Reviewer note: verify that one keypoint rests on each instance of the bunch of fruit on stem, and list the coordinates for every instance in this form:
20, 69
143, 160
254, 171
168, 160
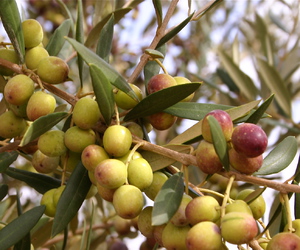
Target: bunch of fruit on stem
118, 172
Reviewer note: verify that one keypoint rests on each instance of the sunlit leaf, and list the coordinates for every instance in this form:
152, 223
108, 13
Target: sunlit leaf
276, 85
174, 31
94, 33
160, 100
219, 141
103, 92
42, 125
280, 157
193, 110
110, 73
57, 40
71, 199
19, 227
6, 159
158, 161
11, 21
196, 130
158, 11
242, 80
105, 39
40, 182
168, 200
3, 191
257, 115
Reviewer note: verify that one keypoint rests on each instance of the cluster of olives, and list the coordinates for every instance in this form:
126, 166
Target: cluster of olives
160, 120
247, 142
23, 101
197, 224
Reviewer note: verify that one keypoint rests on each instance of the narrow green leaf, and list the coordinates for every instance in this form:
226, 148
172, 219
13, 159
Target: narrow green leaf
158, 11
275, 83
67, 14
111, 74
103, 92
42, 125
3, 191
225, 77
242, 80
219, 141
212, 4
40, 182
71, 199
280, 157
192, 110
168, 200
79, 35
57, 40
11, 20
94, 33
160, 100
297, 195
24, 243
18, 228
174, 31
105, 39
196, 130
158, 161
258, 114
6, 159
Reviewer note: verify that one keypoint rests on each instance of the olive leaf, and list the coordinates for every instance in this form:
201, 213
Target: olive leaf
6, 159
168, 200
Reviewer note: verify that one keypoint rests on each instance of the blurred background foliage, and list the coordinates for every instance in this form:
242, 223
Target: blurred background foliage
241, 50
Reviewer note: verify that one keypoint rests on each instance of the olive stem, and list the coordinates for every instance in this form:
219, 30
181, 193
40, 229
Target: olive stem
288, 212
226, 195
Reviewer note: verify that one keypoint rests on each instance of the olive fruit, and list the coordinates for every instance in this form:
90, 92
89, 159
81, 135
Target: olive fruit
18, 89
249, 139
159, 82
158, 181
52, 143
92, 155
11, 125
117, 140
162, 120
204, 235
53, 70
183, 80
40, 104
284, 241
86, 113
224, 120
32, 32
174, 237
34, 55
10, 55
207, 159
140, 173
202, 208
77, 139
238, 227
128, 201
111, 173
179, 218
124, 101
43, 163
145, 222
47, 200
